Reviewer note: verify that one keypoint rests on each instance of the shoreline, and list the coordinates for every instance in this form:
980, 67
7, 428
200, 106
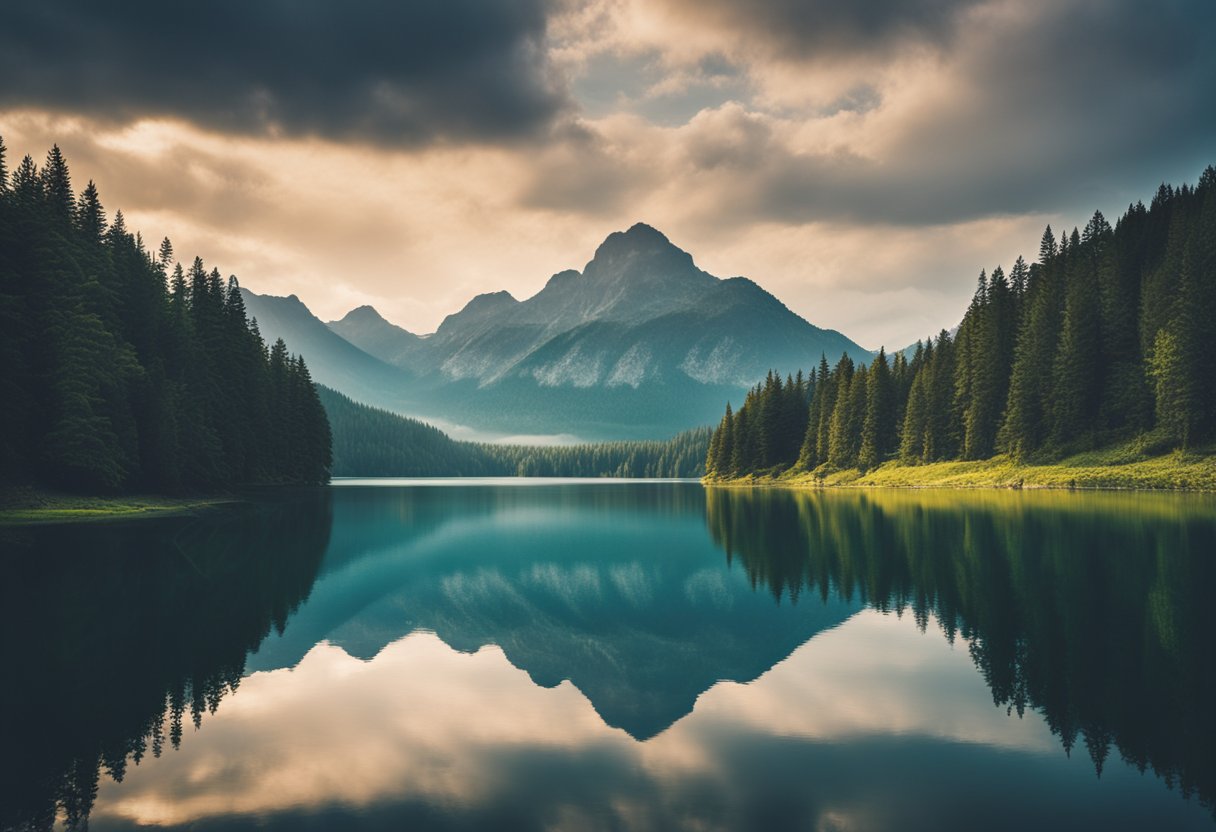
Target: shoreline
1195, 473
31, 507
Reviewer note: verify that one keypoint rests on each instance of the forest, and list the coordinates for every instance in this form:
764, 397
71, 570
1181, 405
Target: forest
120, 370
370, 442
1106, 338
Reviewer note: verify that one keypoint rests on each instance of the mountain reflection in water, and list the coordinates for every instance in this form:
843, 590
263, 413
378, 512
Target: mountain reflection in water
586, 656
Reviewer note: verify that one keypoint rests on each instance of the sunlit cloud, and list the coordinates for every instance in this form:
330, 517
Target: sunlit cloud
421, 722
849, 158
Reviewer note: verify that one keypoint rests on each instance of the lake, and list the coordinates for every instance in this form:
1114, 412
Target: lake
616, 655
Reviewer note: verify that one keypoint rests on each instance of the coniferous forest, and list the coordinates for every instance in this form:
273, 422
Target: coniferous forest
370, 442
120, 370
683, 455
1105, 338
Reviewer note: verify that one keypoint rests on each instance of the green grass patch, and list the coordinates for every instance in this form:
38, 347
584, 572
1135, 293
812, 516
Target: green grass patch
1118, 467
21, 506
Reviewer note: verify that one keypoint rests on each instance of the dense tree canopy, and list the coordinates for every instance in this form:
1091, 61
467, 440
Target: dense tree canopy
121, 370
1102, 339
369, 442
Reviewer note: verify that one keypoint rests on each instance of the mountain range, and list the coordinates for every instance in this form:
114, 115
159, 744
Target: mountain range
640, 344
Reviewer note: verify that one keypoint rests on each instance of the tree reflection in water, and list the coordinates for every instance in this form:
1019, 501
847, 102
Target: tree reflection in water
136, 630
1092, 609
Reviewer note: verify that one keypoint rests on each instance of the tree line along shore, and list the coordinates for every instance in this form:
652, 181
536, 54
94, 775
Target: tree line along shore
1090, 367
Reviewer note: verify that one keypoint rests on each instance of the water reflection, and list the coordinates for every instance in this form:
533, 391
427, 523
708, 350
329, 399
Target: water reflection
1093, 609
621, 657
117, 636
617, 589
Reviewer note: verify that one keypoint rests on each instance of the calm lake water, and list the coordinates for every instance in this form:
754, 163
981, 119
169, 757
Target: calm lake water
650, 656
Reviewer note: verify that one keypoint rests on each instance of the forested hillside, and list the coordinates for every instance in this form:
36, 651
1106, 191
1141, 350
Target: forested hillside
681, 456
1106, 338
369, 442
120, 370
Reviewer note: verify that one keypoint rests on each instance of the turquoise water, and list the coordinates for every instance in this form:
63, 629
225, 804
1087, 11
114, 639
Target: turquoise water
616, 655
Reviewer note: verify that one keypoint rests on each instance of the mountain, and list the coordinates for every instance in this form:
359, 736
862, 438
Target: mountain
640, 344
332, 360
365, 328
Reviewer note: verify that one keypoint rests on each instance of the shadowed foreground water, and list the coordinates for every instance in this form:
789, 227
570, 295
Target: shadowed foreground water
616, 656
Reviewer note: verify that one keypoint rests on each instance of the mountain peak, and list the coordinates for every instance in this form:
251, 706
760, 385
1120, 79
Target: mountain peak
626, 251
640, 236
362, 314
490, 300
482, 307
642, 231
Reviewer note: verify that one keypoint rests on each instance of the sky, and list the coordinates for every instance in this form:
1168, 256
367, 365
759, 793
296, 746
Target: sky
860, 160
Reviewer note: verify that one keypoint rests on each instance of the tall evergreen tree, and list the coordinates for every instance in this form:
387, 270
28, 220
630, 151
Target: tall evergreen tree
809, 456
1075, 374
726, 450
1177, 367
915, 424
847, 419
742, 457
878, 433
969, 399
1025, 424
57, 186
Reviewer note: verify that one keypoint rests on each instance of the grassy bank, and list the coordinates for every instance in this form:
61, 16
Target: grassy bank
1116, 468
24, 505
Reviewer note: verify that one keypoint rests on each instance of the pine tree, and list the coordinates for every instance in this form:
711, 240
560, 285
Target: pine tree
723, 464
1126, 400
1199, 292
1019, 277
57, 187
90, 216
878, 435
847, 419
715, 450
969, 399
990, 343
1047, 247
913, 434
809, 456
1177, 368
765, 417
1076, 371
164, 256
1025, 424
941, 424
742, 443
842, 377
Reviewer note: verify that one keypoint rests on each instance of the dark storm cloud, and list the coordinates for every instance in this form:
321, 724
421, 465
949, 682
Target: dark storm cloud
831, 28
366, 70
1085, 105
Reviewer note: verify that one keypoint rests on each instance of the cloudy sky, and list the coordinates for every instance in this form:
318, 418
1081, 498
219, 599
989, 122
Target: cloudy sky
861, 160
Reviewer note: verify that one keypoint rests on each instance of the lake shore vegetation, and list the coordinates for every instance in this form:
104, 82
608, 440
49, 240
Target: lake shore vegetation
123, 372
1088, 368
